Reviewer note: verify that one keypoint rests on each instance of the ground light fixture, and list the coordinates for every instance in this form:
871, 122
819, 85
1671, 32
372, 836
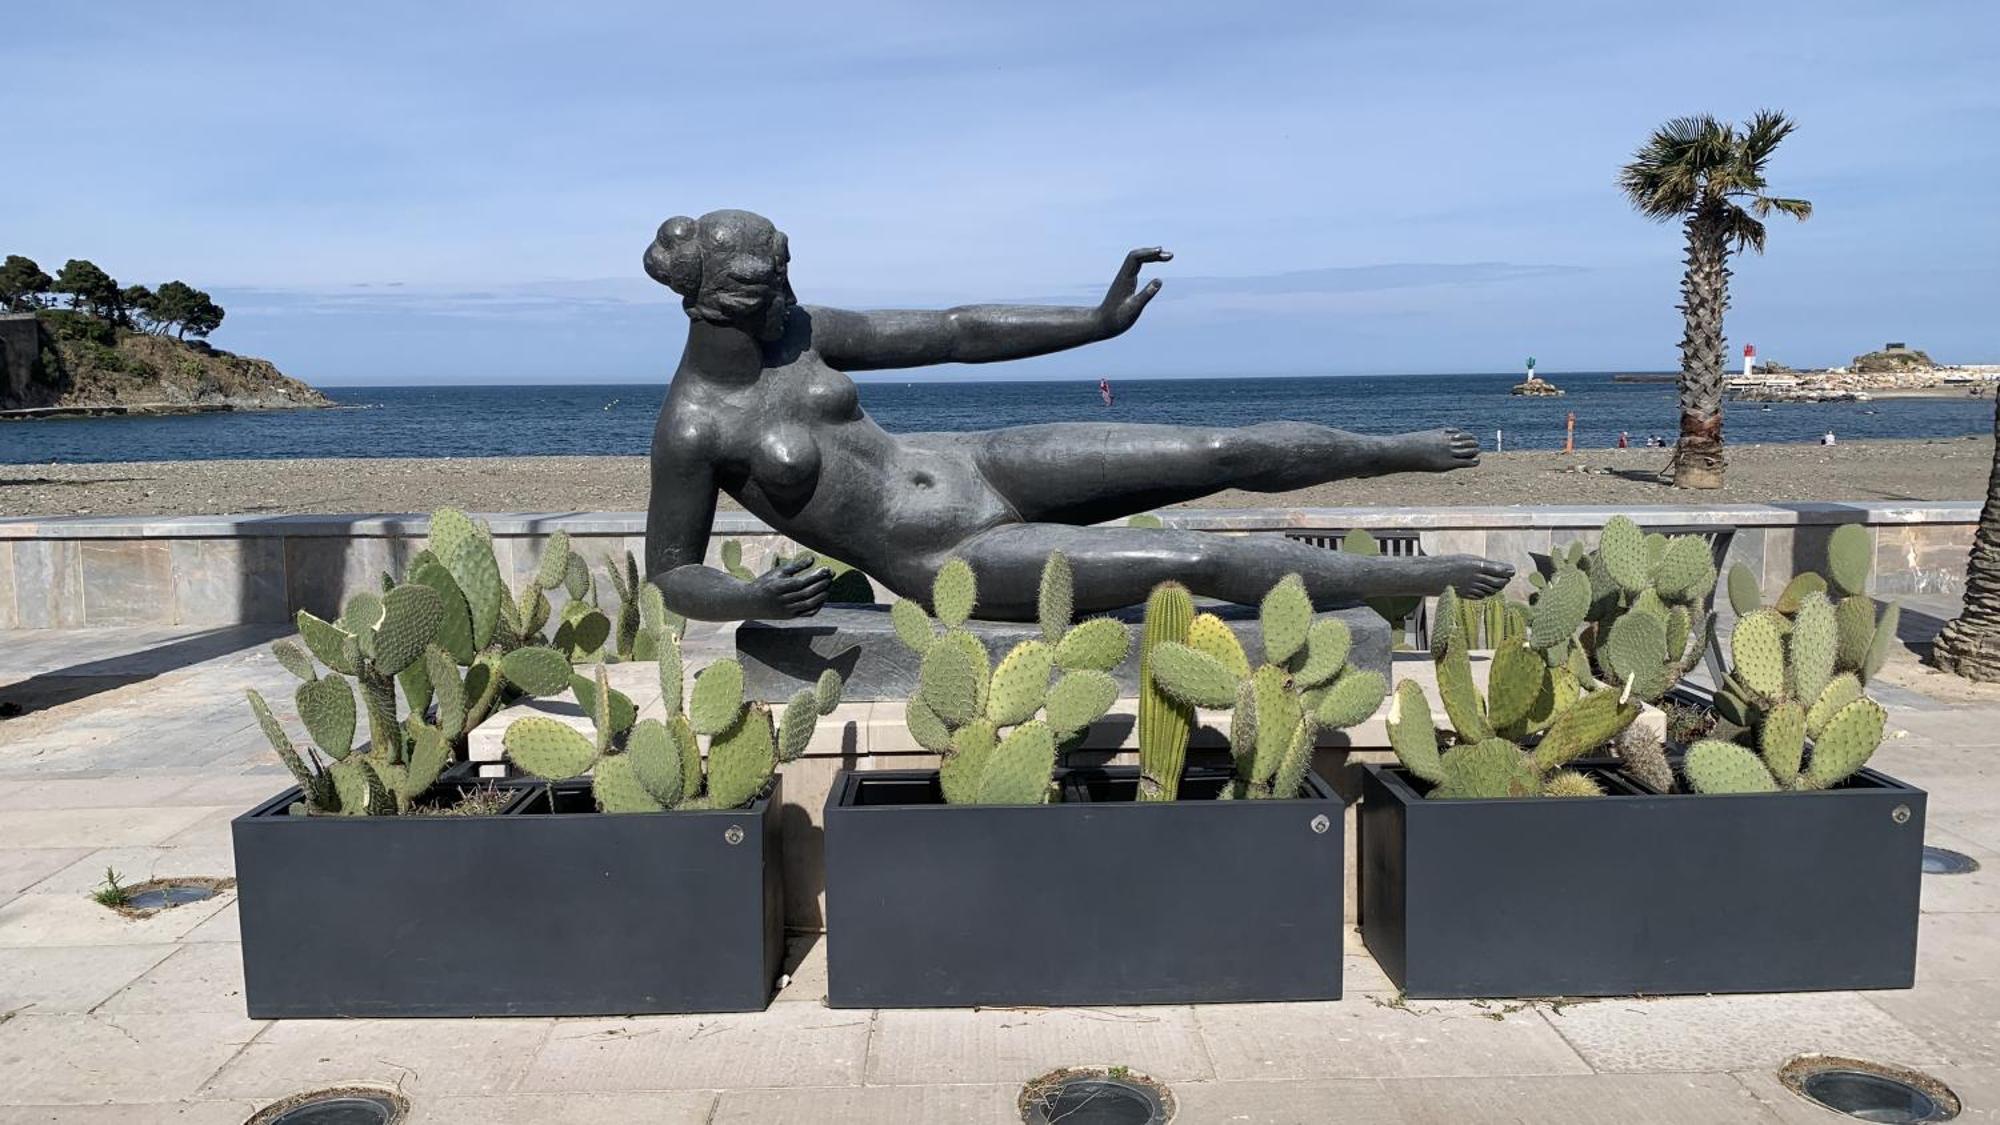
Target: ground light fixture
342, 1105
1944, 861
1869, 1091
162, 895
1093, 1096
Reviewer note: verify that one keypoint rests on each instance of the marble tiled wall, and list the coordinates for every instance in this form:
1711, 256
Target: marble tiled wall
80, 573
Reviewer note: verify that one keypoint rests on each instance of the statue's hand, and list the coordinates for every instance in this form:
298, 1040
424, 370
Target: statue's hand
1124, 301
790, 590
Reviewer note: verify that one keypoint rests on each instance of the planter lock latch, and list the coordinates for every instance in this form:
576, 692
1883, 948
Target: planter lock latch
733, 834
1320, 824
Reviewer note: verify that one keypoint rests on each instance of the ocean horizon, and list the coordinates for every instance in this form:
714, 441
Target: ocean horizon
616, 419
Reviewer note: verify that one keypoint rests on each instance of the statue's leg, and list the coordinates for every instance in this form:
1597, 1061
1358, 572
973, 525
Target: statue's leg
1086, 472
1118, 567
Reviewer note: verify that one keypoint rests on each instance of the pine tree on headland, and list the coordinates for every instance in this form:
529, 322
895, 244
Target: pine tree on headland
22, 284
89, 288
1969, 644
1709, 175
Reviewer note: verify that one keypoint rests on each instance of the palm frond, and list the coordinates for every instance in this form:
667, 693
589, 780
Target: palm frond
1740, 228
1800, 209
1668, 174
1763, 135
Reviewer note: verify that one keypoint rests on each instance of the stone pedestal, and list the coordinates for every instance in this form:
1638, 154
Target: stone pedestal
780, 657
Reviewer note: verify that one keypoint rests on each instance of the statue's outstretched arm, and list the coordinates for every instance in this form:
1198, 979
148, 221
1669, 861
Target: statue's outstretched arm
680, 512
862, 341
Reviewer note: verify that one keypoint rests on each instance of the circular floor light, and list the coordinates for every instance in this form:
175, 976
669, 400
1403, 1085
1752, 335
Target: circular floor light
1944, 861
1867, 1091
163, 895
348, 1105
1095, 1097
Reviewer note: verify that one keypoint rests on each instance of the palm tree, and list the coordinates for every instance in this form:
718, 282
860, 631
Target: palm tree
1969, 644
1709, 175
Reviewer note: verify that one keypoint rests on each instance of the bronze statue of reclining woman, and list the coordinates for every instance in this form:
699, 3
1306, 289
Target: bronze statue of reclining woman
760, 408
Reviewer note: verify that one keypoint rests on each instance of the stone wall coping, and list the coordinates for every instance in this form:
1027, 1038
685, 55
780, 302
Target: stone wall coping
402, 525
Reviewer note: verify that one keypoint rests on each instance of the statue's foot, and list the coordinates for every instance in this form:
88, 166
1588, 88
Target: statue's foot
1438, 451
1470, 575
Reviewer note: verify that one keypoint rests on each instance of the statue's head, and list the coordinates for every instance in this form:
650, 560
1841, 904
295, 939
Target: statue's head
729, 268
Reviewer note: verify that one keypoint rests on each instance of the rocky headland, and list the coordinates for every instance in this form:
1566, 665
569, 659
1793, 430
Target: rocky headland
57, 364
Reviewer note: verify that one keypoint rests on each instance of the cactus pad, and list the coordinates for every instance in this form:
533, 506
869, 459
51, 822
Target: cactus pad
467, 555
1584, 726
1079, 699
796, 725
1812, 647
1559, 610
913, 626
954, 593
1854, 630
1840, 691
1797, 589
1447, 626
1020, 684
1327, 645
1292, 767
1210, 634
1412, 734
1626, 557
1019, 771
1492, 768
1287, 615
554, 567
293, 658
615, 785
1191, 677
1714, 766
960, 773
1278, 713
1055, 601
328, 642
536, 670
1686, 572
1636, 648
1745, 597
1884, 641
1845, 744
1850, 555
741, 759
953, 677
924, 725
654, 753
716, 703
1516, 678
1099, 643
1461, 697
1350, 700
326, 706
548, 749
1758, 649
1781, 741
411, 614
826, 691
360, 791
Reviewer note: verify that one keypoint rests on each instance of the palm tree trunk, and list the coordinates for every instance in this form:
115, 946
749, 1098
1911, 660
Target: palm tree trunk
1698, 461
1969, 644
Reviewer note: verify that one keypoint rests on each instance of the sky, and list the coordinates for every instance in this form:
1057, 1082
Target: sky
392, 193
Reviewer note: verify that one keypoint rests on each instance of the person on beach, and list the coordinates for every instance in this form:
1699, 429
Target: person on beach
1826, 438
1624, 440
761, 408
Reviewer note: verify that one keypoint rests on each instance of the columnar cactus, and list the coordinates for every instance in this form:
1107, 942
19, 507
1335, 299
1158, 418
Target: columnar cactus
1164, 722
999, 728
1303, 686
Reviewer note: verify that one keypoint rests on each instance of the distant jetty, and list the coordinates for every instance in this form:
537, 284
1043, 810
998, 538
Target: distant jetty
1536, 386
1895, 370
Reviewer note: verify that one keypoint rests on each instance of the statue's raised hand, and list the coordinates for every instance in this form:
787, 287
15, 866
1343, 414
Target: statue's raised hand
1124, 301
790, 590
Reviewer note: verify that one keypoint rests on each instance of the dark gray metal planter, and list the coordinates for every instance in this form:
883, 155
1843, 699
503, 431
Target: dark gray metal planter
519, 914
1641, 894
1096, 900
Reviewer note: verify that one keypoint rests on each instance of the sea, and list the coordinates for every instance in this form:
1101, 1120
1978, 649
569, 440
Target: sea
617, 419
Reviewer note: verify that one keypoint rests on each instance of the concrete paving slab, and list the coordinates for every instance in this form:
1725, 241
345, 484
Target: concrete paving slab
1012, 1045
1628, 1099
66, 1060
223, 927
1957, 947
1961, 1017
805, 964
71, 980
665, 1108
138, 864
420, 1058
1974, 892
157, 1113
1718, 1033
1350, 1101
958, 1105
38, 919
95, 828
1982, 829
1370, 1037
206, 978
91, 793
22, 868
786, 1045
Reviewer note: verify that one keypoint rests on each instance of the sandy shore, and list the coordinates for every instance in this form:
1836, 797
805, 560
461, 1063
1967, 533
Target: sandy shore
1943, 469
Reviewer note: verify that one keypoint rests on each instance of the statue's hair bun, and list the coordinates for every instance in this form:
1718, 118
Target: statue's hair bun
674, 258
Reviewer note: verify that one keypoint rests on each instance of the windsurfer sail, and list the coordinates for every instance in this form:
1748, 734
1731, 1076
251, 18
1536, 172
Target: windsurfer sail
1104, 390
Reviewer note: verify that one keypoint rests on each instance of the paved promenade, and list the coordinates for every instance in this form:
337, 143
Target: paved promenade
136, 749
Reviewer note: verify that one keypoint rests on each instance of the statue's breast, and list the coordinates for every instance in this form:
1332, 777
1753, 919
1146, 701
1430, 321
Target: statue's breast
785, 460
827, 393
